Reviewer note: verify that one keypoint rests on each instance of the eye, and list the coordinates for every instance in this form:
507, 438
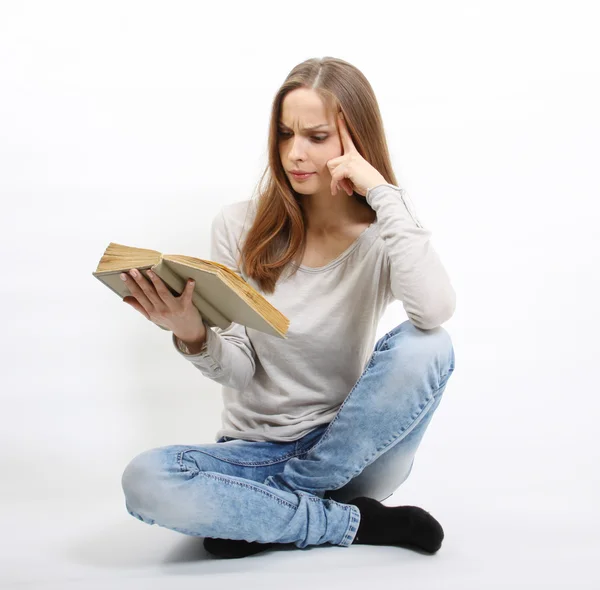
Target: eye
316, 138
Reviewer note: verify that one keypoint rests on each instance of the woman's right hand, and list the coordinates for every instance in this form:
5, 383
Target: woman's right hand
154, 301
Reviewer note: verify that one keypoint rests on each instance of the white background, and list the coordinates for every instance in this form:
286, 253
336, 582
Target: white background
136, 121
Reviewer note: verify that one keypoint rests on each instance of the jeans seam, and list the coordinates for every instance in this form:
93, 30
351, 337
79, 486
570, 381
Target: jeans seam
231, 462
429, 402
394, 438
250, 486
352, 528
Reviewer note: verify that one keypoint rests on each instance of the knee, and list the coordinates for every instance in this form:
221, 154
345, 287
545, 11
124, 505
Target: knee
140, 478
433, 345
155, 487
438, 342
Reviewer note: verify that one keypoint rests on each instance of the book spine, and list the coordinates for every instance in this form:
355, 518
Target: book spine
212, 316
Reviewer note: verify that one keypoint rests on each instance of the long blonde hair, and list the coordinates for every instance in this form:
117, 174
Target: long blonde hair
278, 231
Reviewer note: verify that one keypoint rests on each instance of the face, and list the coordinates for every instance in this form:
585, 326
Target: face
306, 149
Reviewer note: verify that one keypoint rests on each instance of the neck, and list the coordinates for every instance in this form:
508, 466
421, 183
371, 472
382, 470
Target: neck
333, 212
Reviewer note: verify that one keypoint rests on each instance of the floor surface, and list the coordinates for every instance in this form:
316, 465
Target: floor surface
514, 542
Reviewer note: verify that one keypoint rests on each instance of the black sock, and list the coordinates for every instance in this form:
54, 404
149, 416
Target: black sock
231, 548
404, 526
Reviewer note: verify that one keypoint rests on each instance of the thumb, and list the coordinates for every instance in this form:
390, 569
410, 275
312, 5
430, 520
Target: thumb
190, 289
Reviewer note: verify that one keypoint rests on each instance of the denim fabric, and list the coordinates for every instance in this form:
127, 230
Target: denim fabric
296, 492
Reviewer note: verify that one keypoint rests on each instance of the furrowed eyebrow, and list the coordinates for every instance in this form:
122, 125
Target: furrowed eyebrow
307, 128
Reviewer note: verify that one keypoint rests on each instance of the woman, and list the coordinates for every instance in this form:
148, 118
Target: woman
317, 429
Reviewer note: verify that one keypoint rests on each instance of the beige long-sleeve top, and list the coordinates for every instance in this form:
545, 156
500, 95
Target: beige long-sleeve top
280, 389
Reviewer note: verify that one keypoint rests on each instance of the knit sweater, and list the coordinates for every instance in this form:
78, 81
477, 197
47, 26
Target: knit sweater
276, 389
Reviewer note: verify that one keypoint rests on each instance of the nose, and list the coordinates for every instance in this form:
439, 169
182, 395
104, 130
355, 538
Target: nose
297, 149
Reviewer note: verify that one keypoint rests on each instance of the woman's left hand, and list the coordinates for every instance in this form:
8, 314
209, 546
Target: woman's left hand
350, 170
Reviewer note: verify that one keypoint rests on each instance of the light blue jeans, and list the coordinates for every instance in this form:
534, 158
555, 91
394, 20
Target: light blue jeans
295, 492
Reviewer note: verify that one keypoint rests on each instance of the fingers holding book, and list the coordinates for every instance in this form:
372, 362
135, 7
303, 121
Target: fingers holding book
154, 300
143, 292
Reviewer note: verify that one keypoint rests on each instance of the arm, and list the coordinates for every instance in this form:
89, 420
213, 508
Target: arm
417, 276
226, 356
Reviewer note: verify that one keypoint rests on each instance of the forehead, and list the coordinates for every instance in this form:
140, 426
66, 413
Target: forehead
303, 107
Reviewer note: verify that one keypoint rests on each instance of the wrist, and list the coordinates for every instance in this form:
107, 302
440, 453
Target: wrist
194, 344
376, 182
192, 347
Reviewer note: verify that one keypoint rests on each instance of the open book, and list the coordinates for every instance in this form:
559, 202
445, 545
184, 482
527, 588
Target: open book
220, 294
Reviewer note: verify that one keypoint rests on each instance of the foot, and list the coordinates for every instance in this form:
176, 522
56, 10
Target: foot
404, 526
232, 548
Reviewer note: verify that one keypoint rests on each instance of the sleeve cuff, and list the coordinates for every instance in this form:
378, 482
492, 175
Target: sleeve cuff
204, 351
